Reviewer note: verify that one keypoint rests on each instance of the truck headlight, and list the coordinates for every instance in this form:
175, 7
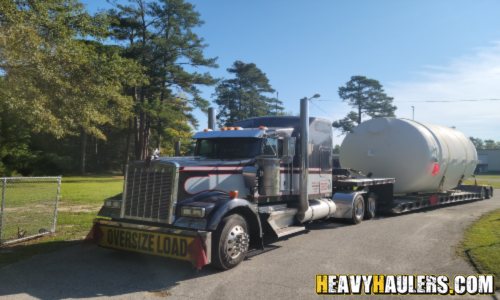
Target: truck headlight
197, 212
113, 203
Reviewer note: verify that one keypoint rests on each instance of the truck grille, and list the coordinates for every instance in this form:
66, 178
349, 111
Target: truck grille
149, 194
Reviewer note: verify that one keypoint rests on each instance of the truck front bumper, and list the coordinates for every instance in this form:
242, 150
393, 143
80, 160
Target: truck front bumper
171, 242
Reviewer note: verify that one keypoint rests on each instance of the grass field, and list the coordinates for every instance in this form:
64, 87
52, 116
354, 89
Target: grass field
481, 245
494, 184
80, 200
488, 176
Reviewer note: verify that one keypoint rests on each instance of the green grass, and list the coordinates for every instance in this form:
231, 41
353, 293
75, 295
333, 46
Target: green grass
80, 200
481, 245
89, 190
488, 176
494, 184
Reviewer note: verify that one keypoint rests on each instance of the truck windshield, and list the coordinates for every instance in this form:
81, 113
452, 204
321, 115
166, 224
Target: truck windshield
228, 147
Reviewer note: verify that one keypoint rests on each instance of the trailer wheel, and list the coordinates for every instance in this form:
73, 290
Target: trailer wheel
487, 193
358, 210
482, 195
370, 206
230, 243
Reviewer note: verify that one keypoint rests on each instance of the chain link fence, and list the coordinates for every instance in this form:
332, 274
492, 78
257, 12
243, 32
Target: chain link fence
29, 207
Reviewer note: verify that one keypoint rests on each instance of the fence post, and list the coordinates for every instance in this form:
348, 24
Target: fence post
4, 186
57, 202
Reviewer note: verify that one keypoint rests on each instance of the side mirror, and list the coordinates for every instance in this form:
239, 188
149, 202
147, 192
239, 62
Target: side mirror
288, 149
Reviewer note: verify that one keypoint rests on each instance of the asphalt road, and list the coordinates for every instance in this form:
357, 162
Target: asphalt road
415, 243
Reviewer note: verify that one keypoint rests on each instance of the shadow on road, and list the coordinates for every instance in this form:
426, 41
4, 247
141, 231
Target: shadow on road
93, 272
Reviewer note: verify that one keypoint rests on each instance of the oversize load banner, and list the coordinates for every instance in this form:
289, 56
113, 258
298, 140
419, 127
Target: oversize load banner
146, 242
408, 284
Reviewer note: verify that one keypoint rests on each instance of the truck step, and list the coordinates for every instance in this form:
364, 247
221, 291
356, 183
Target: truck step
288, 230
276, 220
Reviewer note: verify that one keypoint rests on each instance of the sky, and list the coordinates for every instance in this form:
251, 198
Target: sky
420, 51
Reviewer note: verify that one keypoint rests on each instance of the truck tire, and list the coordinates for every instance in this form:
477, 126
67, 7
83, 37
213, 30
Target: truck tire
370, 206
487, 193
482, 194
230, 242
358, 210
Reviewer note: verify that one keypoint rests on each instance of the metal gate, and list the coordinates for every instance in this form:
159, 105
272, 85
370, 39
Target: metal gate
29, 207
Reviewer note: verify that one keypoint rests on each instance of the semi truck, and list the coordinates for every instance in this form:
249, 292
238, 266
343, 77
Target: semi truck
261, 177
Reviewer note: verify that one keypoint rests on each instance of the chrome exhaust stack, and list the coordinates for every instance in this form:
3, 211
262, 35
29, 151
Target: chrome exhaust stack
212, 117
304, 156
177, 148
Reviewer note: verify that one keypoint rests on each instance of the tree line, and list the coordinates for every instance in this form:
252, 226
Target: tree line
83, 92
484, 144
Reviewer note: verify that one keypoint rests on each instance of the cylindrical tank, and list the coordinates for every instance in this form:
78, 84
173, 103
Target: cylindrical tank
421, 157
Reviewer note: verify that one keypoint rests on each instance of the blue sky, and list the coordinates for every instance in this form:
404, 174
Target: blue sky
419, 51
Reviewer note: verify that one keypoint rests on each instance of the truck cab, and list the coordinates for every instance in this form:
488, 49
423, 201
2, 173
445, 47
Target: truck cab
261, 176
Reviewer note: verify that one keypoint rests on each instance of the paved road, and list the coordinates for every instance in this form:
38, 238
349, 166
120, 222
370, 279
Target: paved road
416, 243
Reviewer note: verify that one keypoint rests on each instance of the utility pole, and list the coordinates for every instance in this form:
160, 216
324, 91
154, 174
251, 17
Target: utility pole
413, 117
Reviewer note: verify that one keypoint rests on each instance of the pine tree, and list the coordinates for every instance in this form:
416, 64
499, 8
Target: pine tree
368, 98
245, 96
159, 36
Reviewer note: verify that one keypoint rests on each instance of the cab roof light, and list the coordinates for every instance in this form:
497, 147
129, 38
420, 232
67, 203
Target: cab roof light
223, 128
208, 129
230, 128
233, 194
238, 128
263, 127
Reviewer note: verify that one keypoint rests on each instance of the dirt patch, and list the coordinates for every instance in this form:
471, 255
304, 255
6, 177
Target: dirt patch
30, 208
29, 241
80, 208
158, 293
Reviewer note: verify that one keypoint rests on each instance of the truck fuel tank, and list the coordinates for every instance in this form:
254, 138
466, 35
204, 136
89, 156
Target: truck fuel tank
318, 209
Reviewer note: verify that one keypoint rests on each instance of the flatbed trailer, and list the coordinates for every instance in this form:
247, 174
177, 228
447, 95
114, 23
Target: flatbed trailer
462, 193
406, 203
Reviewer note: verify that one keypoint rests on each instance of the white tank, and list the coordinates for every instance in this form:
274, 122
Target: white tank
421, 157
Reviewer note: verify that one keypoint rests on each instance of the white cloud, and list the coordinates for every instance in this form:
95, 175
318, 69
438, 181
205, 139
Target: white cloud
470, 77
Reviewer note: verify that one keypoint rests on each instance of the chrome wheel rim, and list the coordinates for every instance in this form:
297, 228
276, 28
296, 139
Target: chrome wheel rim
236, 242
372, 205
359, 209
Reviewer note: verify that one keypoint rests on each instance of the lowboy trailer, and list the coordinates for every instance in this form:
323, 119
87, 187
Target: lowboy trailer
264, 176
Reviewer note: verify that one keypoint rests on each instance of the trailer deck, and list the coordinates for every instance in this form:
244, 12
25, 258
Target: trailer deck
462, 193
395, 204
362, 182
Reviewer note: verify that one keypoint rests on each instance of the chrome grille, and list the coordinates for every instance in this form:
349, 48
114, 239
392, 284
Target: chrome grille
150, 193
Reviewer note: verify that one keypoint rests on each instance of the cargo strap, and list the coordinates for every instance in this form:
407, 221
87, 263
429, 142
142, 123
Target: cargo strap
447, 164
466, 157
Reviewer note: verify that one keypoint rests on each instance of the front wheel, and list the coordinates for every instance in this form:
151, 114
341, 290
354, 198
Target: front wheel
358, 210
230, 243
